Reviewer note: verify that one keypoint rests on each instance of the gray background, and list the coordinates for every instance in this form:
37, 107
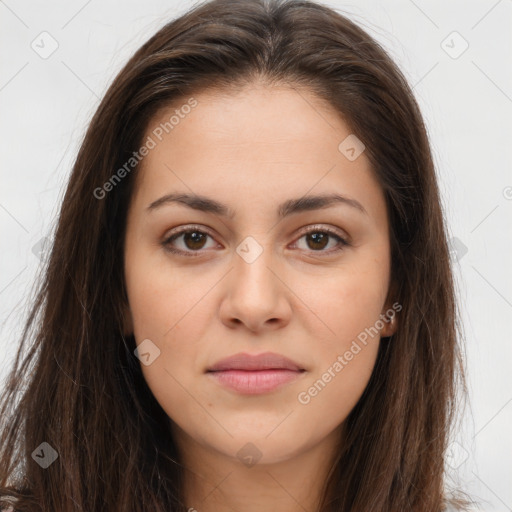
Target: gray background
466, 99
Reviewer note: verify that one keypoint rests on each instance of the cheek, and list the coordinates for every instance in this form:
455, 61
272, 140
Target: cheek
347, 303
350, 305
159, 295
174, 323
170, 308
173, 320
344, 361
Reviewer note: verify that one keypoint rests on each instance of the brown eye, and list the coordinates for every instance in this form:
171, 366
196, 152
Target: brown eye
189, 241
318, 238
194, 239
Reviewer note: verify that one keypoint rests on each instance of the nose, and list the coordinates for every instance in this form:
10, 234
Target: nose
255, 294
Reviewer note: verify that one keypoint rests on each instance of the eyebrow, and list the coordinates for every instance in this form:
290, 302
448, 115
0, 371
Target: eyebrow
289, 207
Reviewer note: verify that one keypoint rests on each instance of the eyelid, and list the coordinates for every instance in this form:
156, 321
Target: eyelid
328, 229
186, 228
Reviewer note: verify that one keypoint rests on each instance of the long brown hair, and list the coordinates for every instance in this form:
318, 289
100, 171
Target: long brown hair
76, 384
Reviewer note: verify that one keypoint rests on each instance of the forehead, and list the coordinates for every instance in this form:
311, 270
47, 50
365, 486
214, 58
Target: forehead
258, 142
256, 115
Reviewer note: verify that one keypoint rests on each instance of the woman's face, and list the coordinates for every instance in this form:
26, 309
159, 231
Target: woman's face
258, 273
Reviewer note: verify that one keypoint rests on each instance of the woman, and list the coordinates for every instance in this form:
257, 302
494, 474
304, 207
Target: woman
248, 303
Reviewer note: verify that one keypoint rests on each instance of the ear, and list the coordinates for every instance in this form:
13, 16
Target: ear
390, 312
390, 321
127, 321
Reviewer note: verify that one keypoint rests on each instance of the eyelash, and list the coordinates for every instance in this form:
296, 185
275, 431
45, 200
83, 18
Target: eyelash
342, 242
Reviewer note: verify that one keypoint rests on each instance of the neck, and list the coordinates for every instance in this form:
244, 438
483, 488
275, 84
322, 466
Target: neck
215, 482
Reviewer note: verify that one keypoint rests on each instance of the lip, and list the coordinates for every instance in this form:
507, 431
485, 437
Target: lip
265, 361
255, 374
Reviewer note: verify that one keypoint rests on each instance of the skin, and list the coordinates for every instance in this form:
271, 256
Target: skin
252, 150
